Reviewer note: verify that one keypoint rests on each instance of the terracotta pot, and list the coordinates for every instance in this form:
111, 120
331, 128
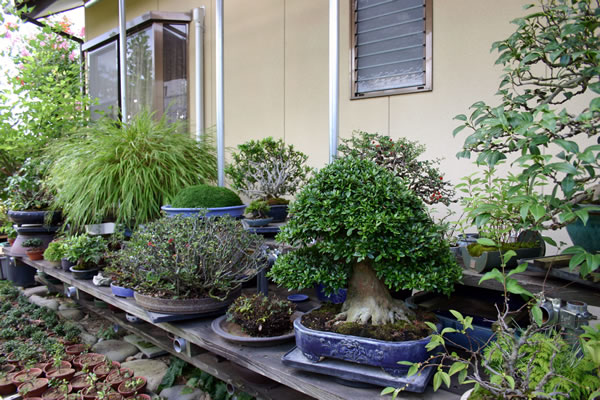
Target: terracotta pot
8, 368
76, 349
11, 241
50, 366
26, 375
6, 386
102, 370
115, 396
54, 393
138, 387
61, 373
79, 382
114, 378
89, 359
34, 387
91, 393
34, 255
140, 396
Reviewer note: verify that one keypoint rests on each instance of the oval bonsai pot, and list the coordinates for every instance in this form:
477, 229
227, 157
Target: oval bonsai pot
337, 297
26, 375
378, 353
258, 222
233, 211
126, 392
588, 235
278, 212
185, 306
221, 327
121, 291
85, 274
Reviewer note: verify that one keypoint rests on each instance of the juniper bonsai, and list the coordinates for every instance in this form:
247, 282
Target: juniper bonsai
356, 223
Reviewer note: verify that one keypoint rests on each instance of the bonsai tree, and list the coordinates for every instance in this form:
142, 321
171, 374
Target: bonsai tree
259, 315
267, 169
126, 171
258, 209
55, 251
549, 60
84, 250
205, 196
33, 243
401, 157
355, 222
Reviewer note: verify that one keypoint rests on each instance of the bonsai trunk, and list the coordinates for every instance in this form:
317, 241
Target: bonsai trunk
368, 299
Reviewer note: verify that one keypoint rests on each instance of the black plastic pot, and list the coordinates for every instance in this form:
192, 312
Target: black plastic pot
34, 217
66, 264
84, 274
20, 274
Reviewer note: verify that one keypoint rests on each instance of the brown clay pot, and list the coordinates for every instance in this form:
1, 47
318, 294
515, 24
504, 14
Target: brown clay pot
61, 373
33, 387
54, 393
79, 382
89, 359
114, 378
8, 368
35, 255
50, 366
26, 375
90, 393
140, 396
6, 386
76, 349
126, 389
102, 370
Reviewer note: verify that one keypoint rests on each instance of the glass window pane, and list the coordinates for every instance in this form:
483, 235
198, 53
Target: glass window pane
175, 72
103, 80
140, 72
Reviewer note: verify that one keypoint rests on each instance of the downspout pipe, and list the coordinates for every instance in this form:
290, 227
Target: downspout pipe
334, 78
219, 95
198, 16
123, 60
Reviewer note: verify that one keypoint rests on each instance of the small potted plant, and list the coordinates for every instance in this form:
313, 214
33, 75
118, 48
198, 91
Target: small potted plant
104, 368
34, 248
116, 376
6, 384
132, 386
55, 252
33, 387
257, 214
256, 320
268, 169
57, 389
191, 264
86, 252
208, 200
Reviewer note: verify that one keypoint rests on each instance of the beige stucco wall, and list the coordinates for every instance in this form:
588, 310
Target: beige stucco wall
276, 72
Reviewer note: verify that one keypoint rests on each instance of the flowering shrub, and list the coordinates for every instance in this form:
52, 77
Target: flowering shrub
40, 95
401, 157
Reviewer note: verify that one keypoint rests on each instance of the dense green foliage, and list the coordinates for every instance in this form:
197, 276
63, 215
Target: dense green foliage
401, 157
55, 250
258, 209
26, 189
355, 210
84, 250
126, 171
205, 196
552, 58
189, 257
267, 169
32, 243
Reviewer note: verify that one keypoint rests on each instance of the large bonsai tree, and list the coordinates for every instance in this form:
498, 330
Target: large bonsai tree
552, 57
357, 224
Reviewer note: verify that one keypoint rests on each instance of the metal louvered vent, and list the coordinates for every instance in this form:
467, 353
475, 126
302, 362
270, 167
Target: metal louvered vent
390, 45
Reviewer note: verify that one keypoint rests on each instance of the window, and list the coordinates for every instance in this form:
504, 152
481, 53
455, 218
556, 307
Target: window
156, 70
391, 49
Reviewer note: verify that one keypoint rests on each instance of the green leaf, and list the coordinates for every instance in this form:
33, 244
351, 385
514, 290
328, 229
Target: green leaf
565, 167
493, 274
413, 369
445, 378
431, 326
458, 129
521, 268
437, 381
459, 317
456, 367
512, 286
448, 330
538, 211
508, 255
405, 362
486, 242
536, 313
461, 117
387, 390
510, 380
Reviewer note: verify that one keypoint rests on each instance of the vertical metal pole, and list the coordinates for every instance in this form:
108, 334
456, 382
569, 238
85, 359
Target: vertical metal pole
334, 71
123, 60
199, 14
220, 103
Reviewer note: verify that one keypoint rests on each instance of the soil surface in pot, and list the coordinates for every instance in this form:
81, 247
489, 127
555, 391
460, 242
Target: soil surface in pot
323, 319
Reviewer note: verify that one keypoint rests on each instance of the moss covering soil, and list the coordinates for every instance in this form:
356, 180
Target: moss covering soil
322, 320
476, 249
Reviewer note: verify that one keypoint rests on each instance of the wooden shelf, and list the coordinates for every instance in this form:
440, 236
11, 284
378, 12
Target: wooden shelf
227, 361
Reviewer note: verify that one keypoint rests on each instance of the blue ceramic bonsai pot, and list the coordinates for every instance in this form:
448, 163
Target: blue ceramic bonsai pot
278, 212
120, 291
337, 297
233, 211
377, 353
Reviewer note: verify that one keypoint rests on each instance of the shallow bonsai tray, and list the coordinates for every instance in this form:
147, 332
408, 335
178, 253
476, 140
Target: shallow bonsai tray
271, 229
352, 372
159, 317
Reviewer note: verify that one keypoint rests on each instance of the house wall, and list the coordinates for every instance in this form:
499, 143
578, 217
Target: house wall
276, 72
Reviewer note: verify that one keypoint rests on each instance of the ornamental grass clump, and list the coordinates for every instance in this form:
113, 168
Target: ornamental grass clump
205, 196
357, 223
191, 257
125, 171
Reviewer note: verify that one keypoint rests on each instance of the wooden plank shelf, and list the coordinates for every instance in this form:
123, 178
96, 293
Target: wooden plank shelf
228, 361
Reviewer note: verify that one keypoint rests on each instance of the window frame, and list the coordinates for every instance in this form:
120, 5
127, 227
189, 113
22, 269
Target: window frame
427, 87
155, 20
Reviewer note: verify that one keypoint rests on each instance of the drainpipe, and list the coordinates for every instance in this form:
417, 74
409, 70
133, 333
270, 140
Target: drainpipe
334, 70
219, 97
198, 14
123, 60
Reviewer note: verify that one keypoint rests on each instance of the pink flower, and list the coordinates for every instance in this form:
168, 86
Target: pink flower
43, 44
25, 53
72, 55
82, 32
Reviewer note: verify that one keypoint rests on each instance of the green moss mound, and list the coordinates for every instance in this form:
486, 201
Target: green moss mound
476, 249
206, 196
